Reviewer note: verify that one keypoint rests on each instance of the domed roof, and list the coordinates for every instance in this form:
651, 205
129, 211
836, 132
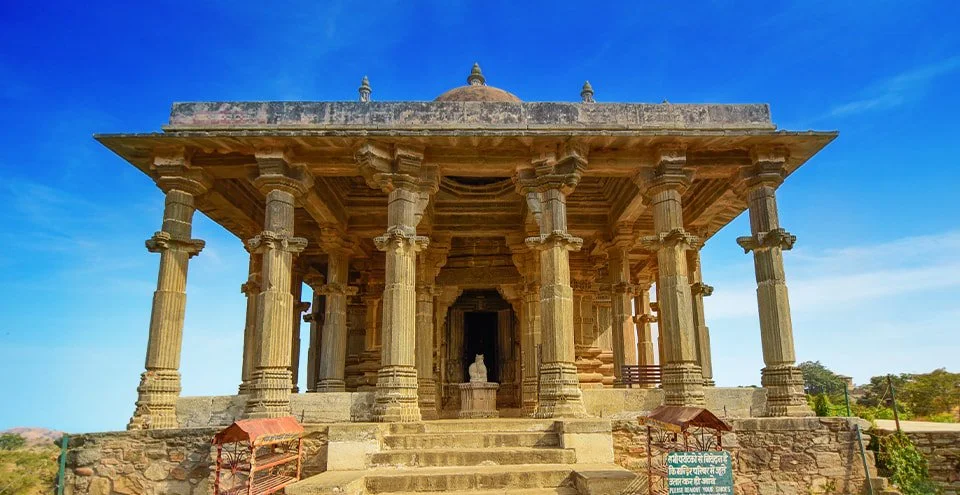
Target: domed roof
477, 90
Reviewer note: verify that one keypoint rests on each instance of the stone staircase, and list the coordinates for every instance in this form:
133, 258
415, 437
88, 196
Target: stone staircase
470, 457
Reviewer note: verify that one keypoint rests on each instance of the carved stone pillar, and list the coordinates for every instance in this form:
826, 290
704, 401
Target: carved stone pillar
160, 382
355, 337
272, 380
682, 379
624, 338
643, 317
409, 185
299, 307
780, 376
372, 339
250, 289
315, 319
428, 267
604, 309
546, 189
333, 349
699, 290
584, 311
527, 263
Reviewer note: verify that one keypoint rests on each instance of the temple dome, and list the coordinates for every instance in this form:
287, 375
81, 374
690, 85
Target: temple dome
477, 90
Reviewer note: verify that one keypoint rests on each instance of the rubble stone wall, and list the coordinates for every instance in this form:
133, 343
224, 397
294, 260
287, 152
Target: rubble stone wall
155, 462
774, 455
942, 450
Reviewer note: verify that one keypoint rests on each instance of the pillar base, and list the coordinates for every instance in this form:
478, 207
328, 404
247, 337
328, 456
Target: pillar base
606, 367
707, 382
331, 385
683, 385
244, 388
269, 394
427, 398
785, 395
156, 406
529, 399
560, 395
396, 396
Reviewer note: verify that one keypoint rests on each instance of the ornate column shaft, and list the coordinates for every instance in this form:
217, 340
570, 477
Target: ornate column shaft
372, 338
527, 263
299, 307
333, 348
547, 190
643, 317
682, 379
272, 380
699, 290
315, 318
780, 376
409, 184
250, 289
604, 318
160, 382
624, 338
427, 269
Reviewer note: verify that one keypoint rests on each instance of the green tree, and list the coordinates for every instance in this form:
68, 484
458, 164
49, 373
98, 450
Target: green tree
11, 441
877, 392
818, 379
822, 405
932, 393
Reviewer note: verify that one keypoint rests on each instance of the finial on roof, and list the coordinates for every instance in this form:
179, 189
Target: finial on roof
586, 94
365, 89
476, 77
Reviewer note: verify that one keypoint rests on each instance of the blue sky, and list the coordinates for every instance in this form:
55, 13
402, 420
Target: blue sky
874, 278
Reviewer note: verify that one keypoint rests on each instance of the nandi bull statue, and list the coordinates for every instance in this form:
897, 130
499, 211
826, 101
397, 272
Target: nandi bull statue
478, 370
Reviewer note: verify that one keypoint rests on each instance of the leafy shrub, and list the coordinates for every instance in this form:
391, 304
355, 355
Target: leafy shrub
28, 471
943, 418
11, 441
906, 465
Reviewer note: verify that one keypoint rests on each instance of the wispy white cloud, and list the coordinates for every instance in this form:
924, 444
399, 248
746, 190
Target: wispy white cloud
821, 280
895, 91
864, 310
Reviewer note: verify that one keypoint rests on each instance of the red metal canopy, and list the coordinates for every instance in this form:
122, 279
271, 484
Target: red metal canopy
679, 418
261, 431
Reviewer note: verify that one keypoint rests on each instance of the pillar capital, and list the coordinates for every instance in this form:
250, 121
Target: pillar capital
334, 242
314, 280
669, 239
767, 169
337, 289
701, 289
670, 173
163, 241
645, 318
174, 171
764, 241
251, 287
397, 239
267, 240
277, 173
547, 241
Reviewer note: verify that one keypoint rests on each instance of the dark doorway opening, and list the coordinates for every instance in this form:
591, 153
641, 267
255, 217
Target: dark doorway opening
480, 337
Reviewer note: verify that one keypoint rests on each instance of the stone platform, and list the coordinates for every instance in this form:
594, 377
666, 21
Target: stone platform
516, 456
341, 407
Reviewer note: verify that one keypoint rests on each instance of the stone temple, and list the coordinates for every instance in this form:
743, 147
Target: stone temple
432, 231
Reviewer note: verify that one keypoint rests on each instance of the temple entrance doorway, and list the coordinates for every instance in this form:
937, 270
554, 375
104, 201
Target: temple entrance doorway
480, 337
481, 322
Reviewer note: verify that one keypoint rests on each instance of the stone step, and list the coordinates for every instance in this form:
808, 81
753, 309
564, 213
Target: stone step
560, 490
470, 441
472, 457
458, 478
474, 425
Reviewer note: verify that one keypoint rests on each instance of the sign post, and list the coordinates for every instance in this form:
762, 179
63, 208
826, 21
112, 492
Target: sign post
695, 473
